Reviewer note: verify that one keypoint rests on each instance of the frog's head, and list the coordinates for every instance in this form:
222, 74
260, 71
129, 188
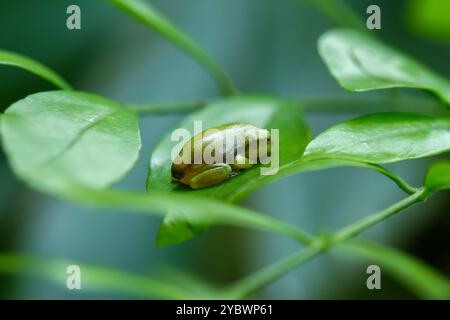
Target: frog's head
264, 142
259, 138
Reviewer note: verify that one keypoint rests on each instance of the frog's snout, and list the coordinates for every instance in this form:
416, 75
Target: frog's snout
177, 174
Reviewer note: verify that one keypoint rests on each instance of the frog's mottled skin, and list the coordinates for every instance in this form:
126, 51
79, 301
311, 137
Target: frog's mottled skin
203, 175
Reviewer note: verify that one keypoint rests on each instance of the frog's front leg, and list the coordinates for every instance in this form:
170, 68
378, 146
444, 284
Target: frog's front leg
213, 174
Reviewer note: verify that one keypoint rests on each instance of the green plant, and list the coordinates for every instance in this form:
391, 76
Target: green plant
76, 145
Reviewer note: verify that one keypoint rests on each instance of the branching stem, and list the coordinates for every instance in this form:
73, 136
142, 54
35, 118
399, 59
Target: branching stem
321, 244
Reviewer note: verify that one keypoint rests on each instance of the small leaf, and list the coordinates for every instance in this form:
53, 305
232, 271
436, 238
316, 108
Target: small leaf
383, 138
262, 112
420, 278
438, 177
359, 62
14, 59
177, 228
59, 140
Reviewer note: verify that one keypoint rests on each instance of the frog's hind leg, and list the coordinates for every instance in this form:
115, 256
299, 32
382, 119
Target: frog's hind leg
214, 174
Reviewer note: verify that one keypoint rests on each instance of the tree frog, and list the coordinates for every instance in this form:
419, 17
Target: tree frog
247, 141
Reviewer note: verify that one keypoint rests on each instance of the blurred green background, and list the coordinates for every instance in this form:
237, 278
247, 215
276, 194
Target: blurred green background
266, 46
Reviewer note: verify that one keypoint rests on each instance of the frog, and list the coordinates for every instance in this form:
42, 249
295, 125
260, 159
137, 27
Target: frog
206, 173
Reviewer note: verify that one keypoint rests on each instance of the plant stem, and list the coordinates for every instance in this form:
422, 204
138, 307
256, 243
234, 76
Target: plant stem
157, 108
17, 60
423, 280
95, 278
321, 244
405, 103
198, 209
360, 226
339, 13
267, 275
152, 18
308, 104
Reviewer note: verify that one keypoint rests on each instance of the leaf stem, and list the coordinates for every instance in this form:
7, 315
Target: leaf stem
321, 163
151, 17
402, 184
320, 244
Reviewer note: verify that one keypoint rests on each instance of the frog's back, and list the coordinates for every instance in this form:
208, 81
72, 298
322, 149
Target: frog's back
217, 136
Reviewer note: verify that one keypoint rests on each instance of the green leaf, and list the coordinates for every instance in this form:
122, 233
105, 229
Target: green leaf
94, 278
263, 112
429, 18
16, 60
359, 62
59, 140
147, 14
420, 278
438, 177
383, 138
